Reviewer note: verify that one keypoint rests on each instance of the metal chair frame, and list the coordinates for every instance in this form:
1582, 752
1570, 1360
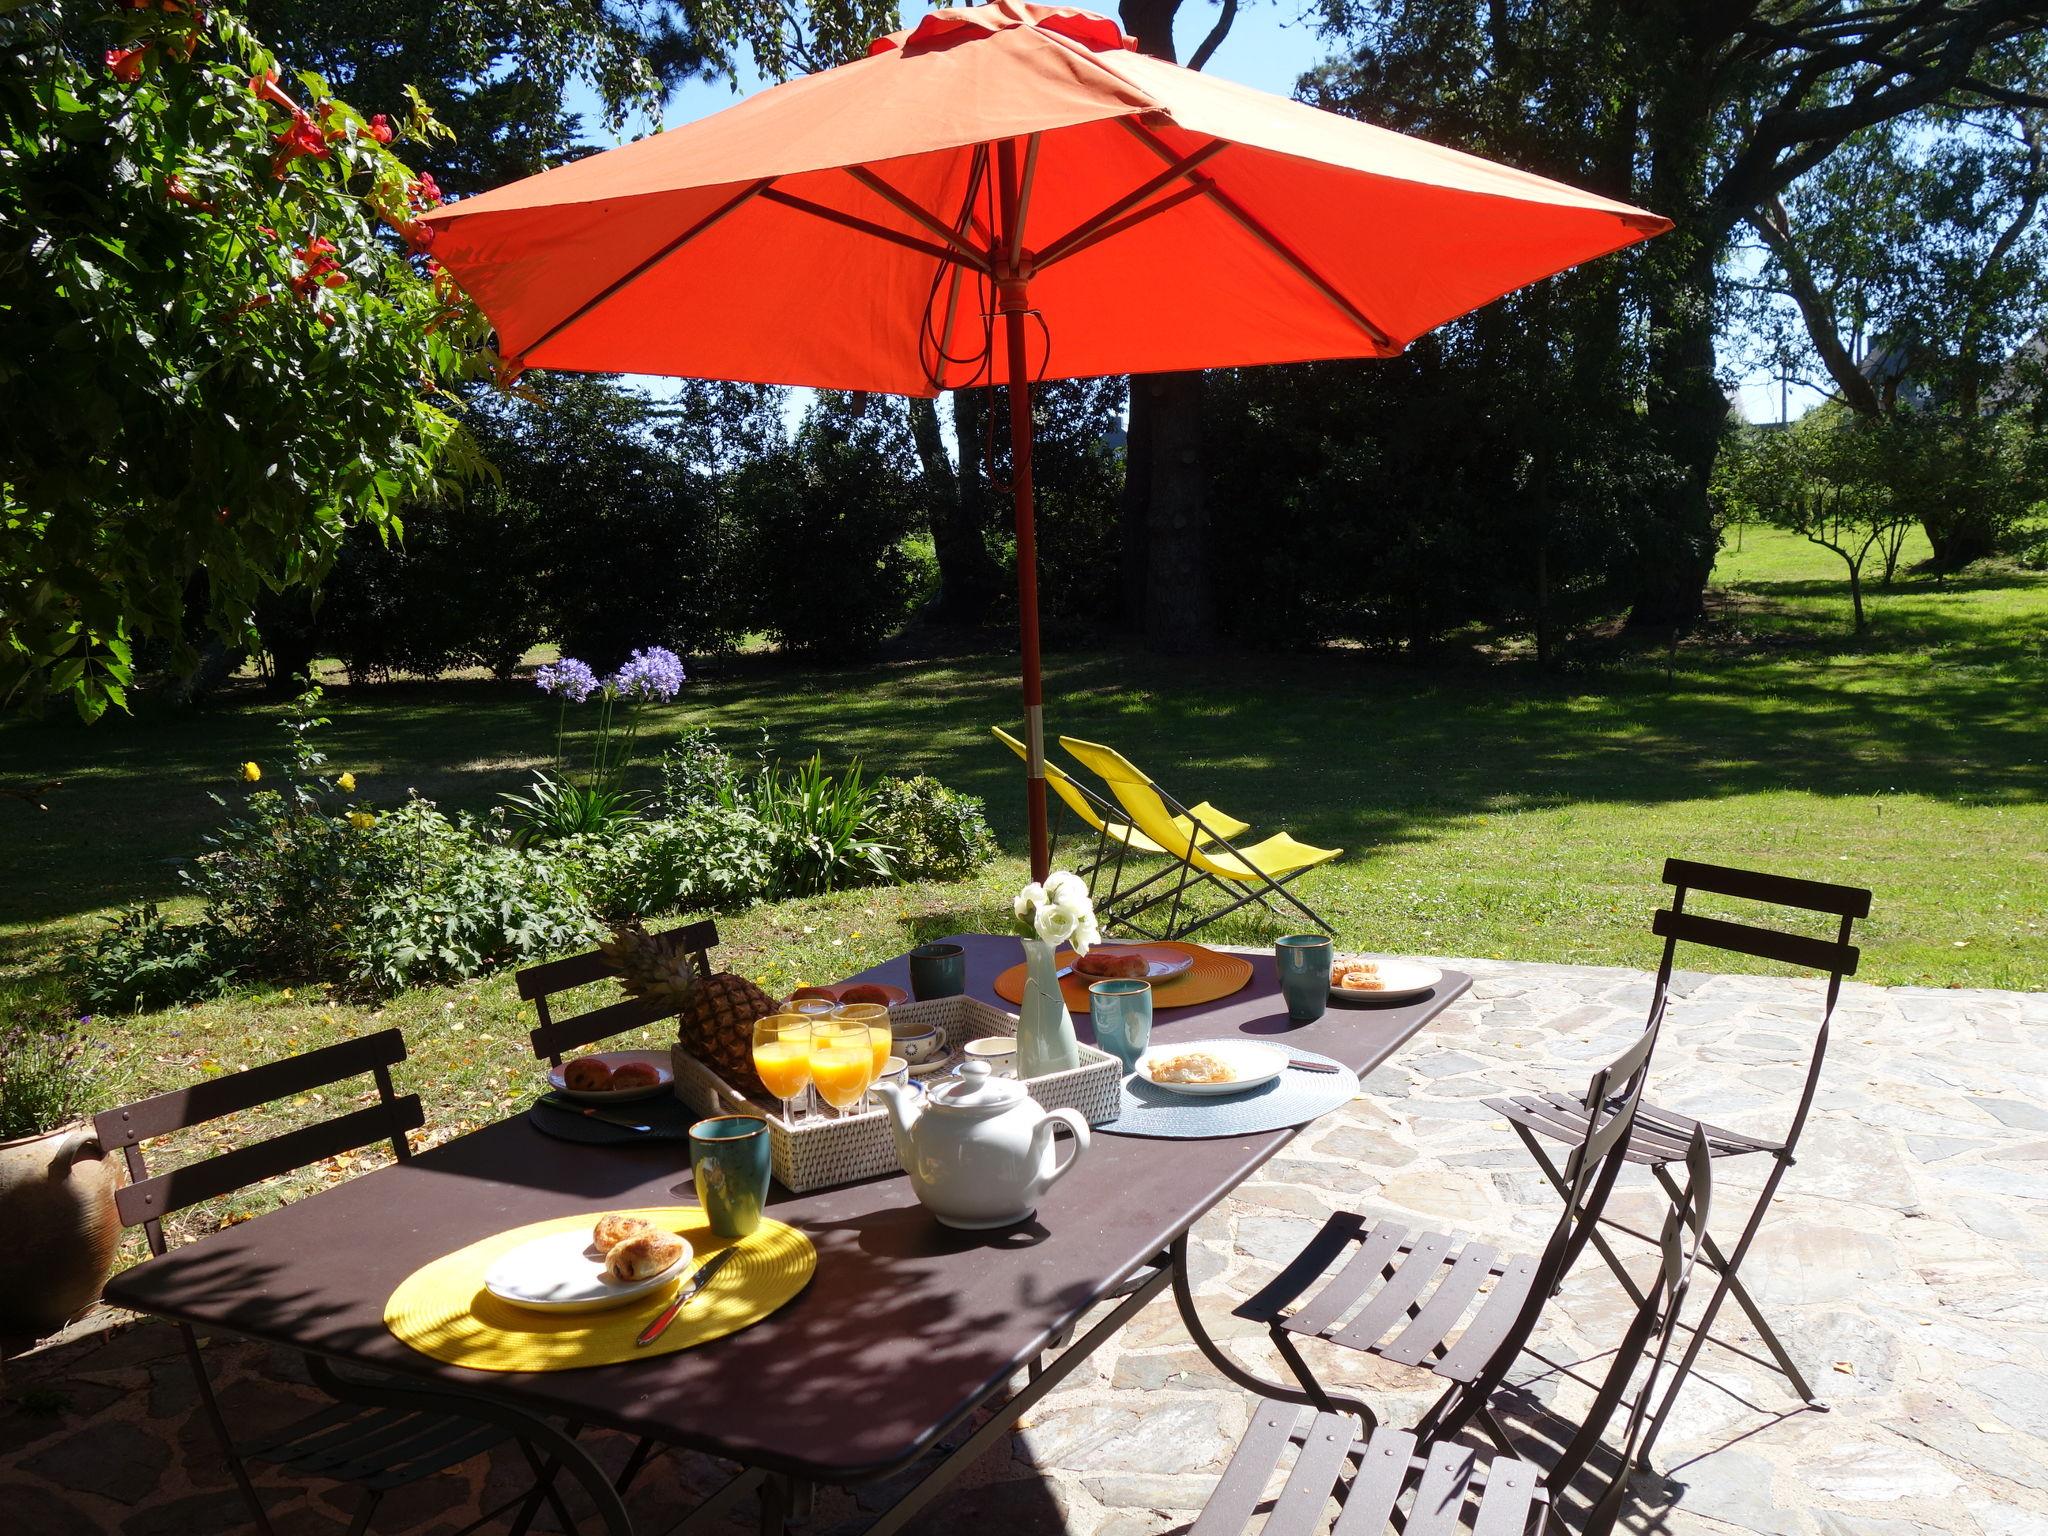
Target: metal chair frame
1383, 1284
378, 1435
539, 983
1661, 1137
1454, 1490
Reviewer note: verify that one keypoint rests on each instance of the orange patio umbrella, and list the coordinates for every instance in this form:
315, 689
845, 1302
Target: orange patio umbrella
1005, 193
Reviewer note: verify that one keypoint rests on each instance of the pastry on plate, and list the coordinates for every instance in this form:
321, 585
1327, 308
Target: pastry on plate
1189, 1067
636, 1074
586, 1074
1357, 976
642, 1257
864, 992
614, 1227
1109, 965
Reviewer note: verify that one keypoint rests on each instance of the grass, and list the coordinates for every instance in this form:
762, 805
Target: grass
1485, 809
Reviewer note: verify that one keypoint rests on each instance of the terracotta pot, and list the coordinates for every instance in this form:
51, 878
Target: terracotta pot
61, 1229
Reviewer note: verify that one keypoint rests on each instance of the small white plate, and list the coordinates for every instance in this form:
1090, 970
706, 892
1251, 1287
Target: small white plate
1250, 1065
565, 1273
655, 1059
1402, 980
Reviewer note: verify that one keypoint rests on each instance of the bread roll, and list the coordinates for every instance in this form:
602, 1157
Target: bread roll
614, 1228
642, 1257
864, 992
586, 1074
1108, 965
635, 1074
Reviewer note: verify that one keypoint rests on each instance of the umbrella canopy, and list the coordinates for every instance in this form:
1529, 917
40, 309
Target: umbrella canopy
1005, 193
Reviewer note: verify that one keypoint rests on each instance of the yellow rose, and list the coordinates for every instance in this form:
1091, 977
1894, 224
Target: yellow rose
346, 783
251, 773
362, 821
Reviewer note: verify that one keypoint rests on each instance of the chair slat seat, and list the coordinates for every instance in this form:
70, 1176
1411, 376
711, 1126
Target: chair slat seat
1659, 1136
1425, 1286
382, 1448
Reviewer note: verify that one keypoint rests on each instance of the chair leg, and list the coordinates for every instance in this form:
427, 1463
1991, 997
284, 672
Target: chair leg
1600, 1243
220, 1431
364, 1509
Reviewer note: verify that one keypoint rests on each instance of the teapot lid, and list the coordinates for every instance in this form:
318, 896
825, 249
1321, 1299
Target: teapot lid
976, 1089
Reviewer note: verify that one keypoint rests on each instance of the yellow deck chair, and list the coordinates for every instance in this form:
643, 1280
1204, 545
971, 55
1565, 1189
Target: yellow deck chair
1258, 873
1114, 836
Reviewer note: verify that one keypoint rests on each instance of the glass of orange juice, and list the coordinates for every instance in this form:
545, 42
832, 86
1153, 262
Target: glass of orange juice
874, 1018
782, 1057
842, 1063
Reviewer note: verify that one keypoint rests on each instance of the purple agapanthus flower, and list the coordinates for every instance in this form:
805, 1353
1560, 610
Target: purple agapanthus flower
568, 679
655, 673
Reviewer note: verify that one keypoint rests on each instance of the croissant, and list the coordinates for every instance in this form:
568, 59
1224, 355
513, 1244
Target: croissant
642, 1257
613, 1229
586, 1074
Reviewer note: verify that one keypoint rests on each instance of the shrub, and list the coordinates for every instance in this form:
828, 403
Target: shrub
143, 961
713, 859
45, 1080
694, 773
931, 832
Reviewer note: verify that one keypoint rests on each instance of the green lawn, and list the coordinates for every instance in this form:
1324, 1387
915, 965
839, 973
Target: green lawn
1484, 809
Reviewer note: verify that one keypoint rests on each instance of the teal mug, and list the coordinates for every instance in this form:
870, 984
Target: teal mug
1304, 961
938, 970
730, 1156
1121, 1011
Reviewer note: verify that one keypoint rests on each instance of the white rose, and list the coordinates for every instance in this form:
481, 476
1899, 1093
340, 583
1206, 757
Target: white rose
1065, 887
1054, 924
1086, 935
1028, 900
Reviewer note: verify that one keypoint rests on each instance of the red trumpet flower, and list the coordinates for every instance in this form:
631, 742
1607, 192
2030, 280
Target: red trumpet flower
424, 192
125, 64
322, 271
266, 87
380, 128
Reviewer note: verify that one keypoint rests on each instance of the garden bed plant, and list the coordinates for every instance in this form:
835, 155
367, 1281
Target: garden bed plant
308, 881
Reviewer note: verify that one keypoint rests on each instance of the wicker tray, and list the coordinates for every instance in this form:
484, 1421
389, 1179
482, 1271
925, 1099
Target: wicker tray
821, 1153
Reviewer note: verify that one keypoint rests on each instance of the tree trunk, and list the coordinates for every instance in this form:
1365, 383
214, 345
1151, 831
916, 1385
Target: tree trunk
1856, 591
967, 576
1165, 520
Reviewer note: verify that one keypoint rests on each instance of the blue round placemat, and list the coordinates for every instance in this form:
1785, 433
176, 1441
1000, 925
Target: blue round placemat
1292, 1098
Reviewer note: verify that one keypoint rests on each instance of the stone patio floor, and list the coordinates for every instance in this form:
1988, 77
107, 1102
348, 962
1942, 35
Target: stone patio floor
1906, 1260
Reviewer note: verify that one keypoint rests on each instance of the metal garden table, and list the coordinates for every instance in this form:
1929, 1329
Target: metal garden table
906, 1329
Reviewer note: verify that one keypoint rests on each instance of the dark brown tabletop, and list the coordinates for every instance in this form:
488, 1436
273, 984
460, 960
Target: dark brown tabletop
905, 1328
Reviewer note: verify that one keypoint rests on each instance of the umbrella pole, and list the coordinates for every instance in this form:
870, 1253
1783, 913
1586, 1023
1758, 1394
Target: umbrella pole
1013, 300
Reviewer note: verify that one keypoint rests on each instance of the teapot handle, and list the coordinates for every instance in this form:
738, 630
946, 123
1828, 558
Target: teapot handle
1042, 1137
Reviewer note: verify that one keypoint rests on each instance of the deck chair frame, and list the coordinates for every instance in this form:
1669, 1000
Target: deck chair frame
1661, 1136
377, 1434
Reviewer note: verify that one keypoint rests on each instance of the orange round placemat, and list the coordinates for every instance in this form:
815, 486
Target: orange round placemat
1214, 975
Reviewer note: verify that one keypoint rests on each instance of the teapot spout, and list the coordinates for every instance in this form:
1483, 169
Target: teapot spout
898, 1102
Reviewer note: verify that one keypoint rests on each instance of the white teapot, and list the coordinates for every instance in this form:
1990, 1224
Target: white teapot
979, 1154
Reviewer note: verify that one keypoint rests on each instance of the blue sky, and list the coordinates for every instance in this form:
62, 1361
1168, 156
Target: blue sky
1271, 44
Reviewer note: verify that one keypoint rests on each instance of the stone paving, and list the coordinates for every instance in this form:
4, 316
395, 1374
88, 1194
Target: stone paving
1906, 1260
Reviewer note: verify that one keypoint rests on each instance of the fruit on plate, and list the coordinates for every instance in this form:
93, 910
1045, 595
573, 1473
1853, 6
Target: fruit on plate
864, 992
1108, 965
714, 1012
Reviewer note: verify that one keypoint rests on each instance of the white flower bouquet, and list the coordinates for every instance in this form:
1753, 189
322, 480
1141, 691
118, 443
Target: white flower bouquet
1058, 912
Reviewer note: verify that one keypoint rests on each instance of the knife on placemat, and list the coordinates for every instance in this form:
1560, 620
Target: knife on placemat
691, 1287
1300, 1065
556, 1101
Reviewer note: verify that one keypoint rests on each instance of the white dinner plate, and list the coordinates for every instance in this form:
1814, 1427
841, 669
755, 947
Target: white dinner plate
1160, 964
655, 1059
1250, 1065
565, 1273
1403, 979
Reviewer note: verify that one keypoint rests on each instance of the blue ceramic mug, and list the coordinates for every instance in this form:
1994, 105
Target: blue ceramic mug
730, 1157
1121, 1011
1304, 961
938, 970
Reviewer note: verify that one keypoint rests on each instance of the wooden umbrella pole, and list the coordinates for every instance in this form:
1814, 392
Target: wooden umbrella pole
1013, 301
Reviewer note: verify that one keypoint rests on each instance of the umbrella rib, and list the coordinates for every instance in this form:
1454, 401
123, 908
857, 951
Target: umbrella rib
1253, 226
1097, 226
967, 258
730, 205
910, 207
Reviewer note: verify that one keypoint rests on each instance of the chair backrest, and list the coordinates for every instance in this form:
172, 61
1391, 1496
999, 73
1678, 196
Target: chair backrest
1079, 799
1151, 812
149, 1198
540, 983
1835, 958
1651, 1330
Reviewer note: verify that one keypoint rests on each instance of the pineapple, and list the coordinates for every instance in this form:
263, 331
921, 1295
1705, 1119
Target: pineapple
715, 1012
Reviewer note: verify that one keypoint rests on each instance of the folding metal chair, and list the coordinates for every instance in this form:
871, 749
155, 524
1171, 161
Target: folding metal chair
538, 984
377, 1435
1205, 858
1114, 835
1661, 1137
1420, 1286
1447, 1487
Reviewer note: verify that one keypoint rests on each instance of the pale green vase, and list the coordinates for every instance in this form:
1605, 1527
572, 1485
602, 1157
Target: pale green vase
1045, 1030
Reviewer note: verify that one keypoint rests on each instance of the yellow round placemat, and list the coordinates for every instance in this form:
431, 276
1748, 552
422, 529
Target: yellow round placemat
443, 1310
1214, 975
